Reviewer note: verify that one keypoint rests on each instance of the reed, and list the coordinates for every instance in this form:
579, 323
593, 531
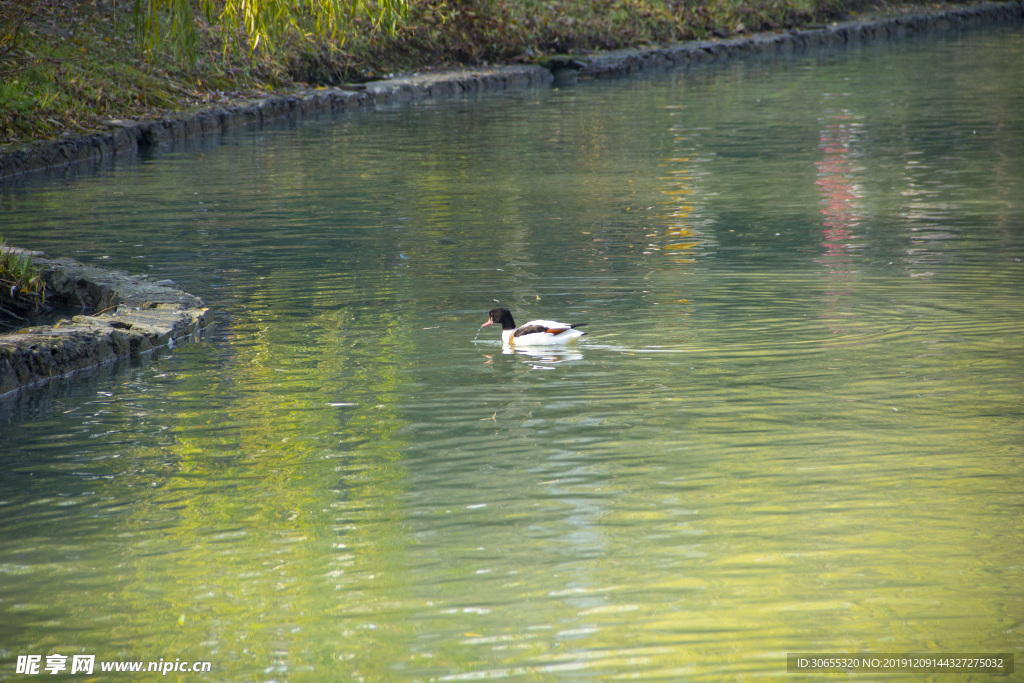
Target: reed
22, 286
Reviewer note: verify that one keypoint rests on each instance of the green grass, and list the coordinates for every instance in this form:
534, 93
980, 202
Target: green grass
22, 287
69, 67
77, 65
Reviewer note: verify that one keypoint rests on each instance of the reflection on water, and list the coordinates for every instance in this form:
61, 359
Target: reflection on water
841, 194
794, 425
684, 241
541, 355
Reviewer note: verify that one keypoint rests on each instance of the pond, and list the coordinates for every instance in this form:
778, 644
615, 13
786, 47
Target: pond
795, 423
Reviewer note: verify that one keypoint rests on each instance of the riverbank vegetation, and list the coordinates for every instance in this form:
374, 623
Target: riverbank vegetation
22, 287
69, 67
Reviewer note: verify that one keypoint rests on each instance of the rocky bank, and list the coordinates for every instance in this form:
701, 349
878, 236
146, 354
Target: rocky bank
123, 316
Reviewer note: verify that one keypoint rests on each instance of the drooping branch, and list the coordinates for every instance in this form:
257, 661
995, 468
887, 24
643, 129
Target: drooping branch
263, 23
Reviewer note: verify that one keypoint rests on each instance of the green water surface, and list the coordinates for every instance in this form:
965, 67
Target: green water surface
795, 425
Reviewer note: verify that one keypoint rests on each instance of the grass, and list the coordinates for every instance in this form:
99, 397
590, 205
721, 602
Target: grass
79, 64
69, 66
22, 287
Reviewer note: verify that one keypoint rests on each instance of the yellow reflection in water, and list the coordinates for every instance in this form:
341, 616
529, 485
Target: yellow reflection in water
681, 240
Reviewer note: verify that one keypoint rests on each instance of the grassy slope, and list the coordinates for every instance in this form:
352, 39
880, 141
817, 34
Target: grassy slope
75, 64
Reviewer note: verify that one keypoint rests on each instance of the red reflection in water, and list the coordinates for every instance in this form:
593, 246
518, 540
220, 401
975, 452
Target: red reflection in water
841, 194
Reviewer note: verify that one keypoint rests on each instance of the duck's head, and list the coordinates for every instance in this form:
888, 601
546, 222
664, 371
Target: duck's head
502, 316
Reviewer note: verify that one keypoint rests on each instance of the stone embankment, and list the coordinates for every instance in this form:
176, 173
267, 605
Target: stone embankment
131, 137
848, 33
130, 316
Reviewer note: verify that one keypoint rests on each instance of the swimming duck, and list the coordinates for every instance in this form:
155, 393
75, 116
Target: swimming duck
533, 333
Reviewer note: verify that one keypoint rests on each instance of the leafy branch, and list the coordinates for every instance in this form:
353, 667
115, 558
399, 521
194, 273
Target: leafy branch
263, 23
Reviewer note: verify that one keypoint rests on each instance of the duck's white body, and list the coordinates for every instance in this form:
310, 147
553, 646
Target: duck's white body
541, 332
535, 332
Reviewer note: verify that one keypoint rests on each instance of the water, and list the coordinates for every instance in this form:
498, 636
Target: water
795, 424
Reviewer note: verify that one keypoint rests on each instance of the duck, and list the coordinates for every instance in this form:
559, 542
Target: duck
533, 333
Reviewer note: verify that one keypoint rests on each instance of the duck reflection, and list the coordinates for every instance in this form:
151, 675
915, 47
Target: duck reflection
538, 357
546, 355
